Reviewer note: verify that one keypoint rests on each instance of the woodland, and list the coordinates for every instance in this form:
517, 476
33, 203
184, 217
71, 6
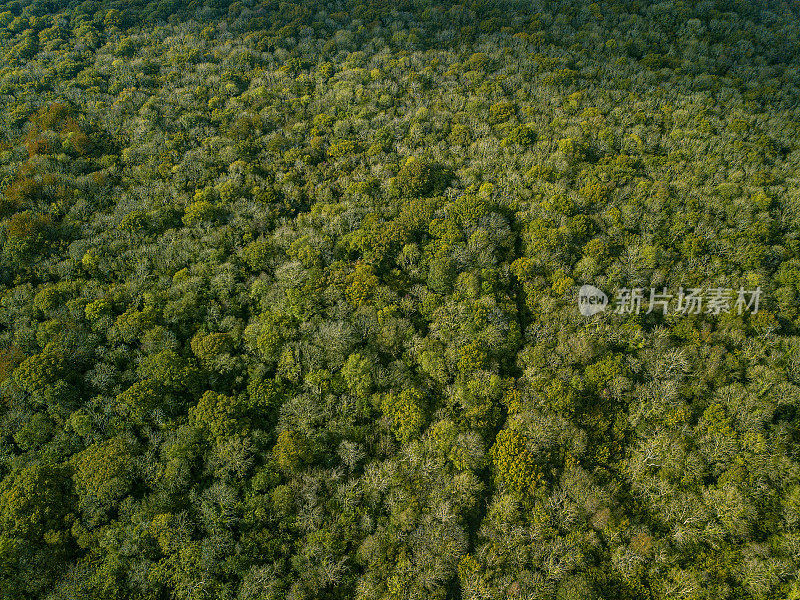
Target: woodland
288, 300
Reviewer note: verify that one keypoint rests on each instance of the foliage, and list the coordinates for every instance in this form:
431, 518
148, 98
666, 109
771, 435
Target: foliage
288, 300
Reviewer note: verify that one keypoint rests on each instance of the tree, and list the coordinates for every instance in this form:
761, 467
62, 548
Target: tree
36, 510
405, 413
514, 463
104, 474
417, 178
27, 235
292, 450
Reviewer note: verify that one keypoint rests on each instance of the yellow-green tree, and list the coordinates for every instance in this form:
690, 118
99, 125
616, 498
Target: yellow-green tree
514, 463
405, 413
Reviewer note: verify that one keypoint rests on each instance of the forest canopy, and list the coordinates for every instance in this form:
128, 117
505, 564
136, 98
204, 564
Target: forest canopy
289, 300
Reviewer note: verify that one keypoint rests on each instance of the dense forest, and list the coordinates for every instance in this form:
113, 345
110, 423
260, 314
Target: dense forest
289, 300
